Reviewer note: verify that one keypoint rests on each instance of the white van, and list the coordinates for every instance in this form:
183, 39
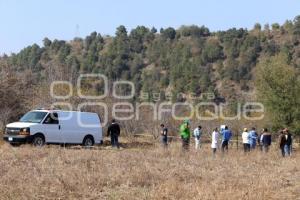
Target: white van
41, 127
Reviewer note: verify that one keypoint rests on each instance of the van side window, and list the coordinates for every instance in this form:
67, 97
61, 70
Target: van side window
52, 118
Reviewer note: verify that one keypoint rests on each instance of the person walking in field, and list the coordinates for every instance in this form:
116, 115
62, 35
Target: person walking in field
185, 134
266, 140
214, 140
226, 136
197, 135
253, 138
114, 132
246, 140
164, 135
259, 140
282, 142
288, 143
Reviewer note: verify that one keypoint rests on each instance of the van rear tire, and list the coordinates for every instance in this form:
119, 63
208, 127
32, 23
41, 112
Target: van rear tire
15, 144
88, 141
38, 141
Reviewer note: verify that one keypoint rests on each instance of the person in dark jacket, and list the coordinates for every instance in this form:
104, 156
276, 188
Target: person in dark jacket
114, 132
282, 142
164, 135
288, 143
266, 140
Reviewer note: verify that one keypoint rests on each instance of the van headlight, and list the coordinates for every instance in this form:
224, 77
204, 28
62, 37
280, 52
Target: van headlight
25, 131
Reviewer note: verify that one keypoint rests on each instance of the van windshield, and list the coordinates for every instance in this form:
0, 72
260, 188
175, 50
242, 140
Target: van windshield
33, 117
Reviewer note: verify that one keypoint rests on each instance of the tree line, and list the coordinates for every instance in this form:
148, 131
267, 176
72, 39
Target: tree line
190, 59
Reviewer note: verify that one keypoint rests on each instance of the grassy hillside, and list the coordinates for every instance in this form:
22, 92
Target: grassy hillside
191, 60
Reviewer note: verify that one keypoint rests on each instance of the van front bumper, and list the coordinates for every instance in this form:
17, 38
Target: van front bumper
17, 138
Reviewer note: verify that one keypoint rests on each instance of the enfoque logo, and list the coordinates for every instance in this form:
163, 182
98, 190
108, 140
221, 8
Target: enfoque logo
126, 110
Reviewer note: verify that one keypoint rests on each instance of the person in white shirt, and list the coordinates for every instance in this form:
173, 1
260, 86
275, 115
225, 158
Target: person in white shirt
246, 140
214, 140
197, 135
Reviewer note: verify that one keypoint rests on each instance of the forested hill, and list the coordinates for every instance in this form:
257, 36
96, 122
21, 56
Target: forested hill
190, 59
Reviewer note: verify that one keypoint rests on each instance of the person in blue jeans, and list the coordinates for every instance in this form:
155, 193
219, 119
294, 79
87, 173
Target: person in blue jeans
253, 138
226, 136
288, 143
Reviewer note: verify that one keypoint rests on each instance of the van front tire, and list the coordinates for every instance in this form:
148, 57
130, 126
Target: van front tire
88, 141
38, 140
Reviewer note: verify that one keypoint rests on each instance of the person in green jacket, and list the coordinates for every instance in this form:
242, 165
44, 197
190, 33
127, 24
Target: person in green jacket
185, 134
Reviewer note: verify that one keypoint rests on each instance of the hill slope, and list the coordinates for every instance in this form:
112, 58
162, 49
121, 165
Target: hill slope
190, 60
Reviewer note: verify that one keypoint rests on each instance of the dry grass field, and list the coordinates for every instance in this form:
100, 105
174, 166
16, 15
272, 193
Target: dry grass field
145, 171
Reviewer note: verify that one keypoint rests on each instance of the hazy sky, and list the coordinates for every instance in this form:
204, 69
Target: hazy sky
24, 22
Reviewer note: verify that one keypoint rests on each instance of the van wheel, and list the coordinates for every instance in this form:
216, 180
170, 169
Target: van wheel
15, 144
88, 141
38, 141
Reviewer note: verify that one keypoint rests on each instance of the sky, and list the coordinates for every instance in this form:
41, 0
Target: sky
25, 22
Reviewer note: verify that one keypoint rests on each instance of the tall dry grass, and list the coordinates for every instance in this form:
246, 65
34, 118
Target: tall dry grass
145, 172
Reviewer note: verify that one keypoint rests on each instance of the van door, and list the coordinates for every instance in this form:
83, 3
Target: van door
69, 129
51, 128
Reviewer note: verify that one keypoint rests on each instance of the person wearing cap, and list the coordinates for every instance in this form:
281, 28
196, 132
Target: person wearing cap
288, 143
246, 140
164, 135
197, 135
185, 134
253, 138
226, 136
